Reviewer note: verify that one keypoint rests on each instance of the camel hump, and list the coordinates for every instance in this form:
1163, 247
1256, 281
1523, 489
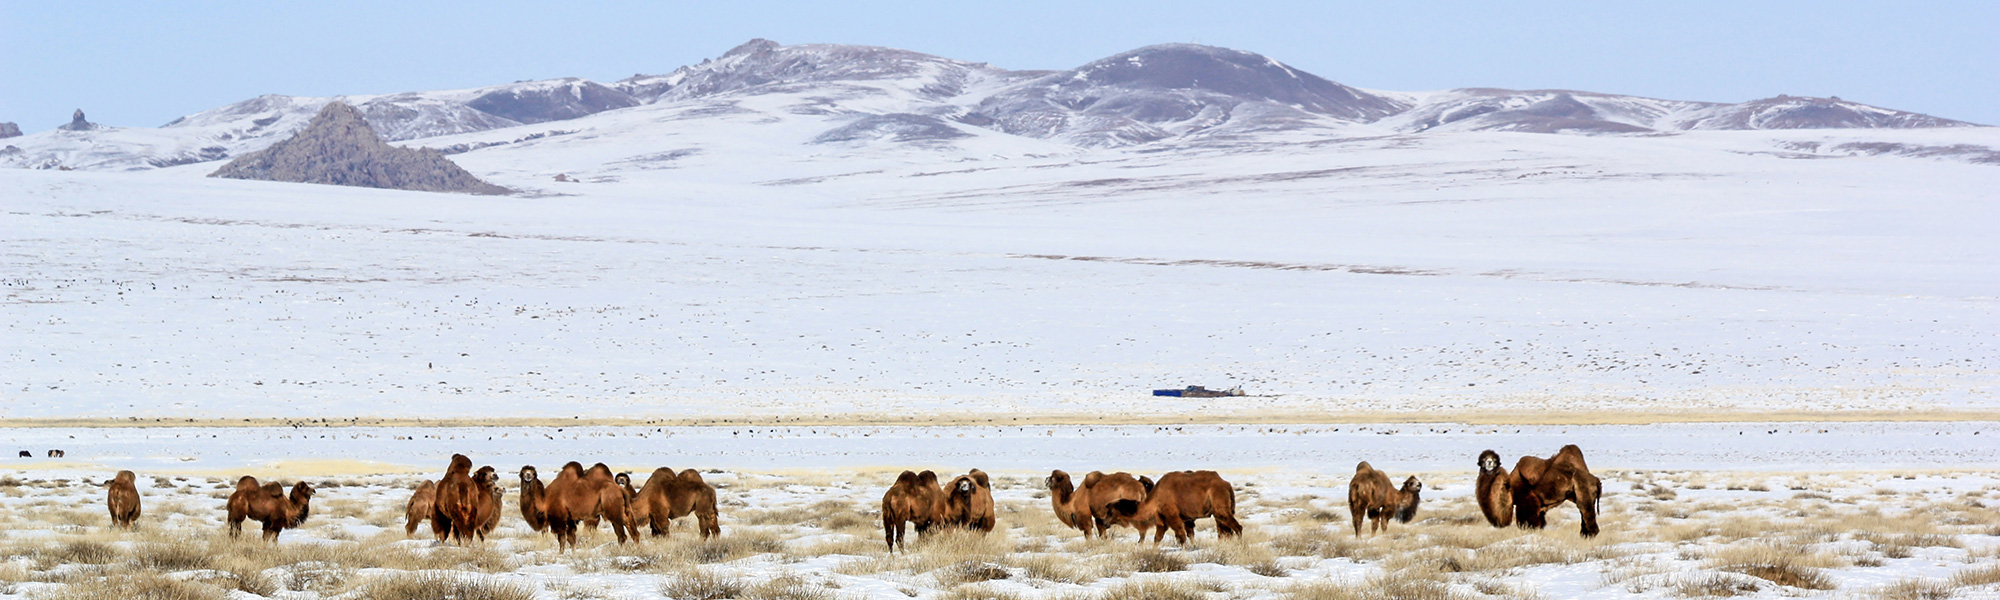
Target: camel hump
980, 476
927, 477
1092, 478
247, 483
459, 464
427, 485
692, 476
907, 478
600, 470
1570, 449
573, 466
274, 488
126, 476
1363, 467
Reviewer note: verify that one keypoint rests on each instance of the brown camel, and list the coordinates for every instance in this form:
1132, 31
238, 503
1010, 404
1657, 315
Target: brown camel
576, 495
456, 513
667, 496
489, 513
1541, 484
1179, 499
968, 502
915, 498
268, 504
1085, 508
533, 497
123, 500
422, 502
1496, 498
1370, 495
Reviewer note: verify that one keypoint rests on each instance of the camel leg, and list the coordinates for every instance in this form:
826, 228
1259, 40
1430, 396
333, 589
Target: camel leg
889, 527
1358, 515
709, 526
1227, 526
1588, 510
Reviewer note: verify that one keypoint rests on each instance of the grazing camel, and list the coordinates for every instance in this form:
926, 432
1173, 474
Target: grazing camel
27, 454
915, 498
268, 504
1541, 484
533, 496
1370, 495
1179, 499
455, 512
968, 502
57, 454
576, 495
1085, 508
667, 496
422, 502
123, 500
1496, 497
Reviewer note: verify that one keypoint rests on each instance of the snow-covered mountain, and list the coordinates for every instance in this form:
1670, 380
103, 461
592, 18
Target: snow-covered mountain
849, 95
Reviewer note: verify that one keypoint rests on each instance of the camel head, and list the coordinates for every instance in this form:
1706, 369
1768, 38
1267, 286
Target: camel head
623, 479
301, 498
528, 474
1412, 492
964, 485
486, 477
1489, 462
1059, 484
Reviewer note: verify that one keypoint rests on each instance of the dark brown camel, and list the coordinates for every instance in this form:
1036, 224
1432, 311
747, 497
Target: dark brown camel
1541, 484
1371, 496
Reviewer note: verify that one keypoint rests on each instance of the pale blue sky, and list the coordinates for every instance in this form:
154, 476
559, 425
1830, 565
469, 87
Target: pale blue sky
145, 63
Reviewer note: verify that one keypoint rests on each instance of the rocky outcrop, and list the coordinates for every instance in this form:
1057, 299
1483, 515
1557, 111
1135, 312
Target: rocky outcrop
77, 123
8, 130
339, 148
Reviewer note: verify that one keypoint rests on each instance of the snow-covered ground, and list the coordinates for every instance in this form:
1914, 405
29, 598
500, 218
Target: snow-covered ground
1445, 274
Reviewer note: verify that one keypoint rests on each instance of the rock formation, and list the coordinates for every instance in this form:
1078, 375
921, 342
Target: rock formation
76, 123
339, 148
8, 130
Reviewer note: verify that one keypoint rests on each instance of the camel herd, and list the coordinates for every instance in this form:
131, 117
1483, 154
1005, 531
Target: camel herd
464, 505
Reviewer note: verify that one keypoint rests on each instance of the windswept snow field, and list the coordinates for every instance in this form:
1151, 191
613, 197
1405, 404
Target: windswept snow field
1444, 275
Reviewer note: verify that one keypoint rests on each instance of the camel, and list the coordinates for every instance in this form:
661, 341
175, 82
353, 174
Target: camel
576, 495
489, 513
667, 496
27, 454
56, 454
268, 504
533, 494
1370, 495
1541, 484
123, 500
458, 509
1086, 508
1179, 499
422, 502
915, 498
968, 502
1496, 498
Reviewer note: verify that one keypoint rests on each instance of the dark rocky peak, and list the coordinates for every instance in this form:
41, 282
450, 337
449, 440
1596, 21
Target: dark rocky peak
8, 130
553, 100
78, 123
339, 148
1226, 72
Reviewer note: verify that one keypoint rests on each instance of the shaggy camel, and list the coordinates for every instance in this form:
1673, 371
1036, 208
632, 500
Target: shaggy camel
968, 502
123, 500
489, 514
459, 507
1179, 499
915, 498
1541, 484
1496, 498
422, 502
576, 495
667, 496
1086, 508
1370, 495
533, 496
268, 504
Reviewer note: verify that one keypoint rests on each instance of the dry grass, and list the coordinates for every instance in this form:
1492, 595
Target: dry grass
435, 585
701, 583
135, 586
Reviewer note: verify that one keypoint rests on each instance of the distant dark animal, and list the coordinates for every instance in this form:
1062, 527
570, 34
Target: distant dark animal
270, 505
27, 454
1370, 495
1541, 484
915, 498
1496, 497
968, 502
422, 502
667, 496
56, 454
533, 496
123, 500
1179, 499
577, 494
455, 512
